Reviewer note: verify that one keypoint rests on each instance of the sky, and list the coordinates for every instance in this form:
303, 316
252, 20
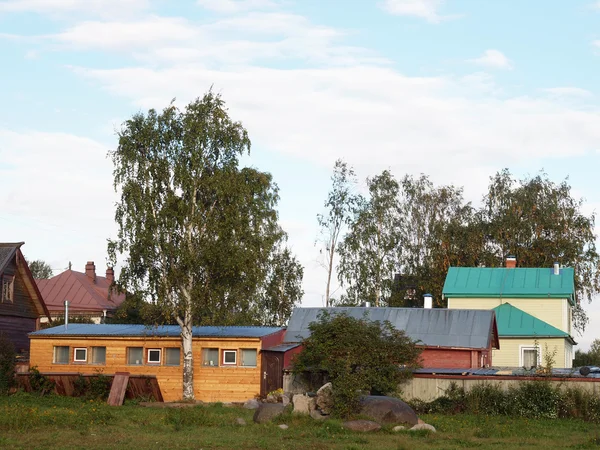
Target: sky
455, 89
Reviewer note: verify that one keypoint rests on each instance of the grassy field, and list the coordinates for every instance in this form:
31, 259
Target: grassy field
31, 422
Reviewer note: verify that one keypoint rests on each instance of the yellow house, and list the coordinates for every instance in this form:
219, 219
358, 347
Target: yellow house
533, 310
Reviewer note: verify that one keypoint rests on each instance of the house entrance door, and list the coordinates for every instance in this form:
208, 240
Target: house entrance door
272, 372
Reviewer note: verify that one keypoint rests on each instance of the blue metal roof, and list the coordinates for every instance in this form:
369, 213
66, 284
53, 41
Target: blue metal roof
437, 327
118, 330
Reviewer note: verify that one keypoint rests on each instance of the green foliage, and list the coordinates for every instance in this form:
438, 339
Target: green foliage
96, 387
136, 310
589, 358
356, 355
60, 320
340, 202
7, 364
39, 382
40, 270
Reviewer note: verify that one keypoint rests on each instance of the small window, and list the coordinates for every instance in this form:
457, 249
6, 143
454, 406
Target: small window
229, 357
249, 357
135, 356
61, 355
172, 356
153, 356
80, 355
8, 288
210, 357
98, 355
530, 357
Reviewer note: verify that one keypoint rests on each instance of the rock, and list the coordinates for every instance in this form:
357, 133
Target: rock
303, 404
423, 426
240, 421
325, 398
387, 410
267, 412
251, 404
283, 426
419, 420
271, 399
285, 400
361, 425
398, 428
317, 415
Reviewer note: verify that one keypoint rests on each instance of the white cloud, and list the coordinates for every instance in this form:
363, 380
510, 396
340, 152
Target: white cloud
596, 43
236, 6
103, 8
424, 9
568, 91
494, 59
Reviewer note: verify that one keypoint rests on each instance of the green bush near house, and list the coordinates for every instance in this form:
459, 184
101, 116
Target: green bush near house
7, 364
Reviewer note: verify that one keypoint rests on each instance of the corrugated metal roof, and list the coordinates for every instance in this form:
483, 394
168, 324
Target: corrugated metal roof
505, 371
437, 327
515, 322
281, 348
117, 330
519, 282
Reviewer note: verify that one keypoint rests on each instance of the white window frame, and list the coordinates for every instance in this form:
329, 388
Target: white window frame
159, 355
530, 347
225, 363
75, 354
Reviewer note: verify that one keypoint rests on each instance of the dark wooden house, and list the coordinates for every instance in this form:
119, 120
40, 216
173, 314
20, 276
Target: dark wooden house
21, 304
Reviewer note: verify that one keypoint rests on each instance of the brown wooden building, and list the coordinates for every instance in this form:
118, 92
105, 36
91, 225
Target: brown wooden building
21, 304
227, 360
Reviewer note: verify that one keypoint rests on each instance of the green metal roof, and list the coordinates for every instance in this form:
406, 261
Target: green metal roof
501, 282
514, 322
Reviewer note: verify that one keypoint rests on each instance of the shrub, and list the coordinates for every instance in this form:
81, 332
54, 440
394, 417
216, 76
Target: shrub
535, 399
356, 355
7, 364
40, 383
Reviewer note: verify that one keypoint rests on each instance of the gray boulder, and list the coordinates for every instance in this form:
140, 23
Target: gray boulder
240, 421
363, 426
317, 415
423, 426
325, 398
266, 412
303, 404
251, 404
388, 410
398, 428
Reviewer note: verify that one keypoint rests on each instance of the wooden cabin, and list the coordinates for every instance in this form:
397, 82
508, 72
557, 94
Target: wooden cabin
227, 360
21, 303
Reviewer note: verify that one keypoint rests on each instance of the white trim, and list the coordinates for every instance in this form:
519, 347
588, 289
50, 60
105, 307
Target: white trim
159, 355
225, 363
75, 354
530, 347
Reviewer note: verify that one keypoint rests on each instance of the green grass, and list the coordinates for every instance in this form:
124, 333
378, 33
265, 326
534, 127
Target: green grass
30, 422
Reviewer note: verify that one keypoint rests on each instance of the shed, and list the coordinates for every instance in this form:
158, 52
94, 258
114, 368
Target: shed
227, 366
449, 338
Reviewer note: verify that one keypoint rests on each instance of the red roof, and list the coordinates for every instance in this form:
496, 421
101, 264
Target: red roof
81, 291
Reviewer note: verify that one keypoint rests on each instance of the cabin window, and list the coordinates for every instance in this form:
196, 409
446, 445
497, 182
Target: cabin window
229, 357
61, 355
172, 356
530, 357
154, 356
210, 357
98, 355
249, 357
80, 355
8, 288
135, 356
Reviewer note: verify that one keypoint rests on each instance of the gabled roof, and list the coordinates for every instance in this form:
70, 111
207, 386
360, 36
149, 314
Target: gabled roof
117, 330
83, 294
503, 282
437, 327
10, 251
514, 322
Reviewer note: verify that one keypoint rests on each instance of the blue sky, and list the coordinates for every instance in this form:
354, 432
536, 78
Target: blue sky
454, 89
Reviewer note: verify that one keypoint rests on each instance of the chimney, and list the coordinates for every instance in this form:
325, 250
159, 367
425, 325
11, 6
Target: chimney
427, 301
511, 262
556, 268
90, 271
110, 275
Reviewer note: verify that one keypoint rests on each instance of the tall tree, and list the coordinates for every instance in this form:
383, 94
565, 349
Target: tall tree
40, 270
540, 222
197, 230
369, 252
339, 204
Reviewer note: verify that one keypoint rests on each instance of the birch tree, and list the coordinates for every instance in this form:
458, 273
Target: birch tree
195, 229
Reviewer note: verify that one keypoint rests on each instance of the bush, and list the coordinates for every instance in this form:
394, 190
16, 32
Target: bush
40, 383
7, 364
356, 355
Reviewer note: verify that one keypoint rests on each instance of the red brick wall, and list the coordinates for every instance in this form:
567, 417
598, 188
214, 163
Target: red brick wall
444, 358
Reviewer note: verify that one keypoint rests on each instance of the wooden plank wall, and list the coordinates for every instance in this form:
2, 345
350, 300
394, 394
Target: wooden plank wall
16, 328
226, 384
